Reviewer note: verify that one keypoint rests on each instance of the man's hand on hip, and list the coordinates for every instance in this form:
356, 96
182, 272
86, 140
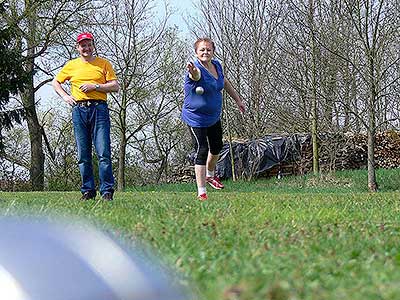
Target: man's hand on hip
69, 99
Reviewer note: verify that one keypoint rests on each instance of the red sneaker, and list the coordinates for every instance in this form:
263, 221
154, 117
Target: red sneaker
215, 182
202, 197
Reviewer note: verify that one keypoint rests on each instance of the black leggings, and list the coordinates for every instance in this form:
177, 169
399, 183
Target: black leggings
205, 139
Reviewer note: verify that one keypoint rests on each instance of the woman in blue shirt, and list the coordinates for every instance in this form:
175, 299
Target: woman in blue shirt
201, 111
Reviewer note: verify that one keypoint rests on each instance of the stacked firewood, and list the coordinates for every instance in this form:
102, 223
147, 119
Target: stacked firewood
306, 153
350, 151
182, 175
387, 151
342, 152
337, 151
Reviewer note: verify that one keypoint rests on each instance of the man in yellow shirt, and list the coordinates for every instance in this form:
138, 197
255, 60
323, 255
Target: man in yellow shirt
91, 78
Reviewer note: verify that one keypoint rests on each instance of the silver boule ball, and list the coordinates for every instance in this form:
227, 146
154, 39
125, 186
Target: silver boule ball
199, 90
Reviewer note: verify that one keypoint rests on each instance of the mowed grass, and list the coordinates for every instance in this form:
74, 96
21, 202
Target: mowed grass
297, 238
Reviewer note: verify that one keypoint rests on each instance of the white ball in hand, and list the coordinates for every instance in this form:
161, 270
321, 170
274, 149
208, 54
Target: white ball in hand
199, 90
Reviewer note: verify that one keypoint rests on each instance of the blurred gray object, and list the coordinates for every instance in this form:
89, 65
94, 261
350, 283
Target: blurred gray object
42, 260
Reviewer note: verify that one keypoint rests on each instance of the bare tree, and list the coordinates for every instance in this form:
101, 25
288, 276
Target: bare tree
246, 34
13, 162
39, 23
61, 171
150, 79
376, 25
304, 66
313, 92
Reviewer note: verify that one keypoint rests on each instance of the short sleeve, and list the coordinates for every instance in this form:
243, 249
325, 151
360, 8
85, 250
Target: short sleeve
110, 73
65, 73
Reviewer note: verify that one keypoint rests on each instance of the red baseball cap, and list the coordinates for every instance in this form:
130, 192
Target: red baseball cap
84, 36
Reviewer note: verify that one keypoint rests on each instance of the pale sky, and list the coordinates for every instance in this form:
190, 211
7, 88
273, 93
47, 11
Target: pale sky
181, 8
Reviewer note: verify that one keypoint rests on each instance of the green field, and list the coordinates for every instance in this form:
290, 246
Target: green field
297, 238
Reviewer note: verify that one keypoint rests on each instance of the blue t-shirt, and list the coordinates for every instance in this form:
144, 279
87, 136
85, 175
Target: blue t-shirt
203, 110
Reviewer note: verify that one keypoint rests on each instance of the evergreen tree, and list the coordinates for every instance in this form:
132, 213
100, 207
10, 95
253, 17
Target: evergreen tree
12, 76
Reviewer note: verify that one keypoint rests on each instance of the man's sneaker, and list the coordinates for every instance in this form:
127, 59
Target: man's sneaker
202, 197
88, 195
215, 182
107, 196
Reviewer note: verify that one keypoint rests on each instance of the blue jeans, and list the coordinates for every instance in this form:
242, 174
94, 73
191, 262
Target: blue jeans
92, 124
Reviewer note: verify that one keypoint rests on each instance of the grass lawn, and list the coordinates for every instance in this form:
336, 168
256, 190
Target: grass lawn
297, 238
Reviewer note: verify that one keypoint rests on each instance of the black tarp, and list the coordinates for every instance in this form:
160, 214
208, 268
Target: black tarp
253, 158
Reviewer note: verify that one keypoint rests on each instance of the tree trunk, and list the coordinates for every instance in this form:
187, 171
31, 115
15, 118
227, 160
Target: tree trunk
372, 184
314, 114
121, 163
122, 149
36, 170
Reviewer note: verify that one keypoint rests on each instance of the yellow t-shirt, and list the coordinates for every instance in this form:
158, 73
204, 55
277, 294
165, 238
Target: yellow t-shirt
78, 72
